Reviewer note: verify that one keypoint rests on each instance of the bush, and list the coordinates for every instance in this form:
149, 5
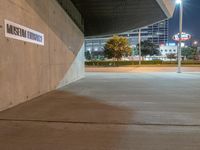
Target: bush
131, 63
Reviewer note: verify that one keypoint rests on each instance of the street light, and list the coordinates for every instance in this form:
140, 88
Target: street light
195, 42
180, 3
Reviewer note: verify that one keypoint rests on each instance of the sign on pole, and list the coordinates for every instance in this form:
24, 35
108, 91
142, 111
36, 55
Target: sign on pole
184, 37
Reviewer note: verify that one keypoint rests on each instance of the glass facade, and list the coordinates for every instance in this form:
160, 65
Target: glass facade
156, 33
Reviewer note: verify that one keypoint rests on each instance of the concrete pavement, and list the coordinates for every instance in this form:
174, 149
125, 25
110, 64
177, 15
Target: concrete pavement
109, 111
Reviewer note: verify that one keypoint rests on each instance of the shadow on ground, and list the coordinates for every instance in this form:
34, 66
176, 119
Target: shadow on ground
62, 120
64, 106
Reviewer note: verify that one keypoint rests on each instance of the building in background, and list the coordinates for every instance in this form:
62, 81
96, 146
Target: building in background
168, 49
156, 33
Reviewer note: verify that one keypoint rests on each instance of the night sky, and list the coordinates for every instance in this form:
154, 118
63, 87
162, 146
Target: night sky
191, 20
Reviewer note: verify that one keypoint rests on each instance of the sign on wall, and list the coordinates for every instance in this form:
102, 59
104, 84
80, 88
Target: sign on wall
19, 32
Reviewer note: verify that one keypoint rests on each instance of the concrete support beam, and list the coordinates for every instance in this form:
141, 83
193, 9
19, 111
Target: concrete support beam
167, 6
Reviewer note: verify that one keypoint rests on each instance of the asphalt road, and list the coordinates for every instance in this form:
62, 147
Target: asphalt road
109, 111
143, 69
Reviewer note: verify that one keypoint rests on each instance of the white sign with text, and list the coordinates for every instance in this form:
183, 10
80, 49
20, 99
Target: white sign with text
19, 32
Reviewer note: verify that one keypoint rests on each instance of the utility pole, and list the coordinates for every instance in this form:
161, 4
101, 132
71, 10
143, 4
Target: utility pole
139, 46
180, 36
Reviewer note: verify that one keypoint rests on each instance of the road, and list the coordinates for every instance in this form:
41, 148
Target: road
142, 69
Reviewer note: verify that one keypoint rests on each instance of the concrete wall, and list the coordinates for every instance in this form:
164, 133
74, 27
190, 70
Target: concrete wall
28, 70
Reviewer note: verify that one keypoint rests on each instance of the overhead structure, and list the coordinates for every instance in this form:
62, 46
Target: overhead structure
105, 17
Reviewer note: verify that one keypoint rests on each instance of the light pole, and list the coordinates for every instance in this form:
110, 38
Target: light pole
139, 46
180, 2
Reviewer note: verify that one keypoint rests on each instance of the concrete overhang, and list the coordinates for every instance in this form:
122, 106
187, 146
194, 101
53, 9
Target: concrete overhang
106, 17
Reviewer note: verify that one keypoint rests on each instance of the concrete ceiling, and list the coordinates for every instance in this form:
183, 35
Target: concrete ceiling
105, 17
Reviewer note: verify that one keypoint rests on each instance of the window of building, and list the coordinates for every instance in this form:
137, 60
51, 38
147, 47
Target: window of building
96, 49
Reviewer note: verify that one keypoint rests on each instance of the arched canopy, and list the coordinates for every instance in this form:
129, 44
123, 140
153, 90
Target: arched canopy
105, 17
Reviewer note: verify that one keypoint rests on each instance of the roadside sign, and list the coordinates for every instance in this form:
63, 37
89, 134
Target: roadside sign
184, 37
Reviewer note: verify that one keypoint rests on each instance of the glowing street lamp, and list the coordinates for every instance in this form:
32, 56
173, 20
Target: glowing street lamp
195, 42
180, 3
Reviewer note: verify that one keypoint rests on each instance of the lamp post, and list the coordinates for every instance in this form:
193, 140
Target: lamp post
139, 46
180, 33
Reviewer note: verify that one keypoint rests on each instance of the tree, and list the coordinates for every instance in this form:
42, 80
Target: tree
189, 52
88, 55
171, 56
116, 47
148, 48
97, 55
